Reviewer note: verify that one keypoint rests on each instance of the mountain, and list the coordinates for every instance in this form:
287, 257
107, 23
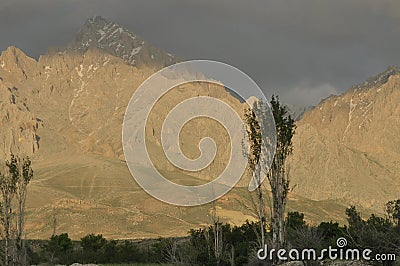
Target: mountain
67, 108
114, 39
347, 148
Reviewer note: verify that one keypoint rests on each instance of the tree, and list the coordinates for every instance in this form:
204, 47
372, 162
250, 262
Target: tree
59, 246
253, 157
278, 175
295, 220
110, 251
14, 180
25, 174
393, 211
8, 186
169, 250
331, 231
238, 243
92, 245
257, 120
379, 234
355, 222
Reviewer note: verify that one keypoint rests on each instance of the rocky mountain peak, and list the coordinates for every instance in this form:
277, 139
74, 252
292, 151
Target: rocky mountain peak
13, 60
12, 51
379, 79
99, 32
97, 20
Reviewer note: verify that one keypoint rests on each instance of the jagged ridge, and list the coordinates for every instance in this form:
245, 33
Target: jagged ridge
108, 36
379, 79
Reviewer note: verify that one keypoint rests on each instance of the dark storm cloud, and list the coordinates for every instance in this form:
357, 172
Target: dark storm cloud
302, 50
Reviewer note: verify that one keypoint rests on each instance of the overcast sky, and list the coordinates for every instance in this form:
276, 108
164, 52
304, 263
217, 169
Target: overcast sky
303, 50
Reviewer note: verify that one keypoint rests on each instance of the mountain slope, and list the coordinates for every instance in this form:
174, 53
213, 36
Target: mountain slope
347, 147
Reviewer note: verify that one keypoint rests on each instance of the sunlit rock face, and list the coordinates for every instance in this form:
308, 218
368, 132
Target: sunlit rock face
347, 147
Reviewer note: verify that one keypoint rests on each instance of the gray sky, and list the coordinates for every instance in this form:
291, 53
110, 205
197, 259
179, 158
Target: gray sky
303, 50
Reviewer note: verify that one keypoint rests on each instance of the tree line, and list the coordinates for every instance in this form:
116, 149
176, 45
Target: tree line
237, 245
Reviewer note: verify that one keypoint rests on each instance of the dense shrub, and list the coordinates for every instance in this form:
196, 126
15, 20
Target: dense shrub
59, 248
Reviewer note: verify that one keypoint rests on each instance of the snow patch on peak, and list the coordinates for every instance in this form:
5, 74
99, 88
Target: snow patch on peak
136, 50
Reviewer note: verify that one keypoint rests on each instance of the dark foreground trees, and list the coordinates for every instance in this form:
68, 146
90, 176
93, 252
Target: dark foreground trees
239, 243
92, 248
380, 234
59, 247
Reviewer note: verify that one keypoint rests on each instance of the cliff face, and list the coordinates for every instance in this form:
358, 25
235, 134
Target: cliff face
347, 147
19, 126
